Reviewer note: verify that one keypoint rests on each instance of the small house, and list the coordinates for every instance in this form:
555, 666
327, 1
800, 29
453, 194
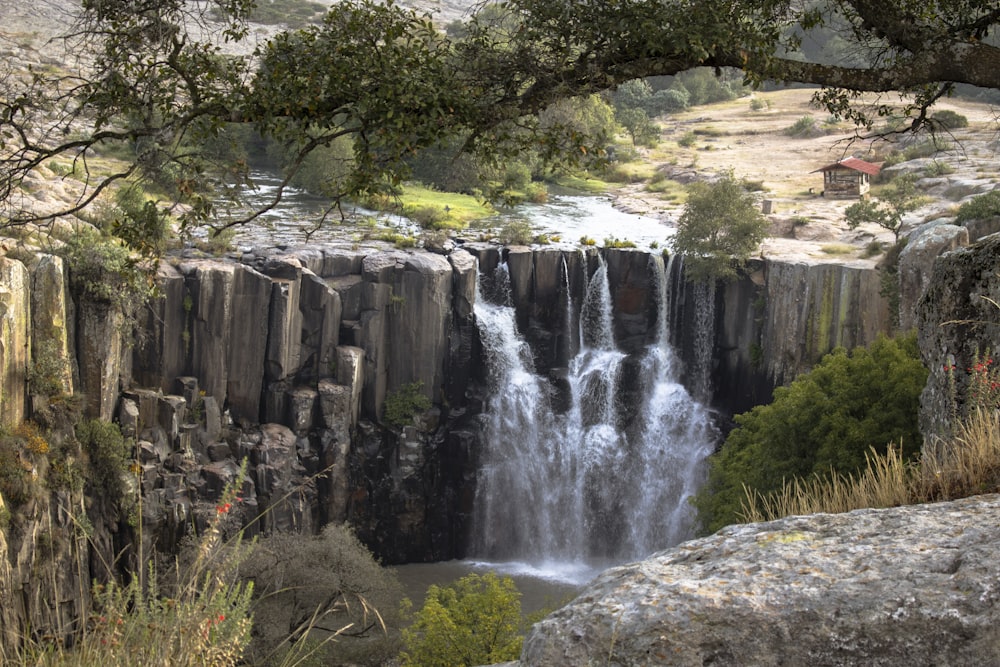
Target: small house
849, 177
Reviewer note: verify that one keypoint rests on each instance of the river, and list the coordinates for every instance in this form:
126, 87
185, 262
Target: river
569, 216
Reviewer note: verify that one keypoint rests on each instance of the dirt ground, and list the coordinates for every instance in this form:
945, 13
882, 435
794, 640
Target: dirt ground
755, 146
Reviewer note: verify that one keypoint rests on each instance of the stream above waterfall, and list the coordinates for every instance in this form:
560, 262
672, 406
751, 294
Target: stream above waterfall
566, 215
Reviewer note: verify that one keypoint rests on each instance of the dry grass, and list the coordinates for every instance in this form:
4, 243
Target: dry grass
965, 465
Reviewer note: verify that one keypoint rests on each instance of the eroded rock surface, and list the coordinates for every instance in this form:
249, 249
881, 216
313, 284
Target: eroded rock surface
959, 323
913, 586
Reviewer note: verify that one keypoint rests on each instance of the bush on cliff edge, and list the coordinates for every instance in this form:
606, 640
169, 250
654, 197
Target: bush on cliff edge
827, 419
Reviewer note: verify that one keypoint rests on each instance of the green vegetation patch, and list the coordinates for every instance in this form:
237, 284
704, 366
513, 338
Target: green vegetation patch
836, 249
827, 419
441, 210
978, 208
403, 405
582, 183
475, 621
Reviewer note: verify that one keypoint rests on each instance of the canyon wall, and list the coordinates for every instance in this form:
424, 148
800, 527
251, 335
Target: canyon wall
287, 359
317, 339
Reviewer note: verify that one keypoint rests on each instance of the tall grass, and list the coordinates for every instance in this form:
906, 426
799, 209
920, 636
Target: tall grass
966, 464
199, 615
201, 620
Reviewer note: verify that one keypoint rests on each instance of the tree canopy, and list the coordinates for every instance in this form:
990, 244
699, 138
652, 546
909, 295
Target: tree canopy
721, 227
895, 201
475, 621
165, 79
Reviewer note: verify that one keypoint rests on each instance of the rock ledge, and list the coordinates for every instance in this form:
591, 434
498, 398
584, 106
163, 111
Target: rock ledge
910, 586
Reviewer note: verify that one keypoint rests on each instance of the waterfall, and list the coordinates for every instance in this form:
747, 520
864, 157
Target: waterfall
582, 486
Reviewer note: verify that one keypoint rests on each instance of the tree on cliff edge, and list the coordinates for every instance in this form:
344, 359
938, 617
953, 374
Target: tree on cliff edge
156, 78
721, 227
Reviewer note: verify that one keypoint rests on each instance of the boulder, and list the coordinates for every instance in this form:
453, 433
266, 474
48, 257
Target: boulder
910, 586
982, 227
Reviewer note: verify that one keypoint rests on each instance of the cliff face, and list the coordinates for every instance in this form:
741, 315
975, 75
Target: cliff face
782, 317
315, 339
287, 358
959, 324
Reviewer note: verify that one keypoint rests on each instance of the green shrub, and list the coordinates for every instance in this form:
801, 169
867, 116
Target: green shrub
427, 216
516, 232
200, 618
666, 101
687, 140
721, 227
22, 454
218, 242
949, 120
517, 176
873, 249
49, 368
139, 222
403, 405
939, 168
536, 193
803, 127
966, 465
984, 206
109, 455
475, 621
642, 130
925, 148
825, 420
615, 242
103, 271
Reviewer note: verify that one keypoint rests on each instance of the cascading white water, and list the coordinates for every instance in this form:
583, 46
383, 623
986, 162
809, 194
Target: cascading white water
582, 486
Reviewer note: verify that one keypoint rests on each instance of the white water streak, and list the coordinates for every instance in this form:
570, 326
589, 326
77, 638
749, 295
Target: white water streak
583, 486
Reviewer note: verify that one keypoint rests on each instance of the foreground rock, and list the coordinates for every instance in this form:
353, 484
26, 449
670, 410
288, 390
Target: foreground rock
910, 586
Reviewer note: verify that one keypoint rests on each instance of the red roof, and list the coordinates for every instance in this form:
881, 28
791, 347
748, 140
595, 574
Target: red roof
853, 163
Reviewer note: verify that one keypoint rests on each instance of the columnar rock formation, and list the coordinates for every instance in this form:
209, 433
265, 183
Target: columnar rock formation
285, 359
315, 339
15, 343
